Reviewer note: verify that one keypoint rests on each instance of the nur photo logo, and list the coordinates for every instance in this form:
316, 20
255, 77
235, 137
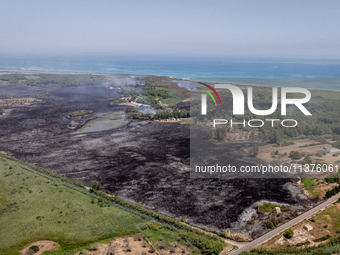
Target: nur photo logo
238, 100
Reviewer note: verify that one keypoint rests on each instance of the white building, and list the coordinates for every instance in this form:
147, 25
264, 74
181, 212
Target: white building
330, 149
308, 227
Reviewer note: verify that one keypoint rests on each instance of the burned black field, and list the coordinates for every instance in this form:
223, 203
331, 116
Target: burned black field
143, 161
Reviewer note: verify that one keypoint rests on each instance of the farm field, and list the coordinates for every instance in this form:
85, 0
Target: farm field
38, 208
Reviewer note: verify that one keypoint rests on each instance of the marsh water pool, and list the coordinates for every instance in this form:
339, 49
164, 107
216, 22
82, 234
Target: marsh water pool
103, 123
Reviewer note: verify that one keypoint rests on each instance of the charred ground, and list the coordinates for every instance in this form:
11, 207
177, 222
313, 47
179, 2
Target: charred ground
143, 161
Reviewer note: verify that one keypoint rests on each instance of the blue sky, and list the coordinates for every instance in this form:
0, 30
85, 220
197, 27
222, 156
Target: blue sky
274, 28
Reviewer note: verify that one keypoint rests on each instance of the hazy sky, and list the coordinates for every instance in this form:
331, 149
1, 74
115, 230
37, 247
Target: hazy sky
280, 28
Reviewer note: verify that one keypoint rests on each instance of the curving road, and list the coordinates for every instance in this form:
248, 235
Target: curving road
289, 224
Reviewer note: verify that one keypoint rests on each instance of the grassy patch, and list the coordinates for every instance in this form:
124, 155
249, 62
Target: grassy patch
175, 95
5, 199
47, 206
330, 216
266, 207
165, 236
174, 98
80, 113
287, 143
38, 208
115, 117
309, 184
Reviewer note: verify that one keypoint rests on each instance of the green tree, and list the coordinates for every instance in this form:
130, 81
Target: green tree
275, 137
306, 160
337, 130
288, 233
35, 248
336, 145
95, 185
294, 155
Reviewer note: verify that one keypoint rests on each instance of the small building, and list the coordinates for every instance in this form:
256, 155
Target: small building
278, 210
330, 149
308, 227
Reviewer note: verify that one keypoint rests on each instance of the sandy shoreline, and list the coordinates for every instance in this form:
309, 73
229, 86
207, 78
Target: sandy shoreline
5, 70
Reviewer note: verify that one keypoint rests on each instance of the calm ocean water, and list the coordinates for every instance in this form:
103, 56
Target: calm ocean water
180, 67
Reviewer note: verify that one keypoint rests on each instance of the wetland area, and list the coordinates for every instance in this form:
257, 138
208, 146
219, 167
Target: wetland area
143, 161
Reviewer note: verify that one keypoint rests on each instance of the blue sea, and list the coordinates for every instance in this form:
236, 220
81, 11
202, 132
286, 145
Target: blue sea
179, 67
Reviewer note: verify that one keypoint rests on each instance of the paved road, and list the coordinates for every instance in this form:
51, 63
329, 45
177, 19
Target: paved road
289, 224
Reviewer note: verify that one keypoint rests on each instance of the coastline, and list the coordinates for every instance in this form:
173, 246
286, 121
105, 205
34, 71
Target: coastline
245, 81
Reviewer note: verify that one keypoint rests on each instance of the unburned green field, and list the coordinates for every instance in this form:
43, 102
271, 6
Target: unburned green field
36, 208
39, 205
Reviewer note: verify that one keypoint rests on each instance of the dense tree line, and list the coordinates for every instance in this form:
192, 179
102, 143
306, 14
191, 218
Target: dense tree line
134, 114
325, 120
146, 96
141, 116
12, 78
174, 114
156, 93
333, 178
154, 103
67, 80
332, 192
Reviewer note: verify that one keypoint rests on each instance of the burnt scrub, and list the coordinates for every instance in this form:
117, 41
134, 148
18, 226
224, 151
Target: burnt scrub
143, 161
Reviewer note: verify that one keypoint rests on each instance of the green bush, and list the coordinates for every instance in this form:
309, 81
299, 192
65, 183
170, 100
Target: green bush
286, 143
306, 160
332, 250
35, 248
322, 238
288, 233
295, 155
95, 185
308, 183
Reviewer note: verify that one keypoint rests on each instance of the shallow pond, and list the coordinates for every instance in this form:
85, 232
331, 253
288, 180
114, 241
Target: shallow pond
103, 123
